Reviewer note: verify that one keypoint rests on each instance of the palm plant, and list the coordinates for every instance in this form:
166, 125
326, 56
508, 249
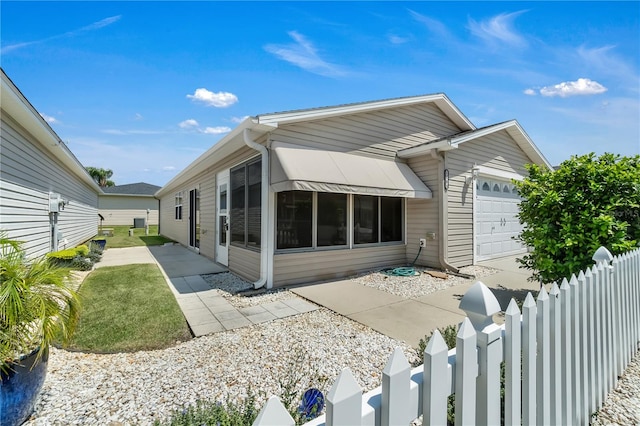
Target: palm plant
37, 303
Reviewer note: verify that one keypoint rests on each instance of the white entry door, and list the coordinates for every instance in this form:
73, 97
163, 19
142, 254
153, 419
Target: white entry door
222, 222
496, 221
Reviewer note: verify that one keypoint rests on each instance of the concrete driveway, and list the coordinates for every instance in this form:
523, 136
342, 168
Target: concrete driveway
410, 319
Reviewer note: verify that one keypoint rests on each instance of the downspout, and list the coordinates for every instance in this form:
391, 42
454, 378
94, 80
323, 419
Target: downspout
444, 216
264, 213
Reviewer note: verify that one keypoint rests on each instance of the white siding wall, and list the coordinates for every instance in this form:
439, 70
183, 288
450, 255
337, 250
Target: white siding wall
498, 151
28, 174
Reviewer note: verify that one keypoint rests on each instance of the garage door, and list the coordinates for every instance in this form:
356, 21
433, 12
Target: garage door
496, 220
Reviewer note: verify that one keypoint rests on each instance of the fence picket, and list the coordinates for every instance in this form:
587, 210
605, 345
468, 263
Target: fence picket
556, 353
436, 381
543, 394
512, 385
344, 401
274, 413
592, 341
396, 390
466, 374
529, 350
583, 371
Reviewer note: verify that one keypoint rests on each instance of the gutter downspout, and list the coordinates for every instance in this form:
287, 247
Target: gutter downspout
444, 217
264, 220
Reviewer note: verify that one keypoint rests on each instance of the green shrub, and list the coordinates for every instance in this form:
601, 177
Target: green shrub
74, 258
569, 213
81, 263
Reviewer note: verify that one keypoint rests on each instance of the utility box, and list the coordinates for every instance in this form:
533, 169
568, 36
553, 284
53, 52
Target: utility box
139, 222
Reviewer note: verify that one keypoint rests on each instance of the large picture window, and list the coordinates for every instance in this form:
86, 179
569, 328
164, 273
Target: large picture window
306, 220
246, 200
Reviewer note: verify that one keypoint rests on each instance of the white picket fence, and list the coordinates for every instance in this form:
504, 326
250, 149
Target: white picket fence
570, 345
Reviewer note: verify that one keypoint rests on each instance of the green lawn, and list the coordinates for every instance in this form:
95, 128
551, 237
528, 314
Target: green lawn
121, 237
128, 308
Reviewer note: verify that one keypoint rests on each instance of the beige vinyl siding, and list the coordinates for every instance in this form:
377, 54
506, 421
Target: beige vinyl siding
178, 230
379, 133
245, 263
28, 174
422, 215
322, 265
497, 151
122, 209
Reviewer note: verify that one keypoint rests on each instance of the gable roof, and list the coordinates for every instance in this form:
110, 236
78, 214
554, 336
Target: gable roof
512, 127
439, 99
16, 105
262, 124
139, 188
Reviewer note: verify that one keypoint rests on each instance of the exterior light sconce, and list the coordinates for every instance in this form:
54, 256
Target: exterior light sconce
446, 179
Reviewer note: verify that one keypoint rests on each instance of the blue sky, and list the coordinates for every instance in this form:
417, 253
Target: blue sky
143, 88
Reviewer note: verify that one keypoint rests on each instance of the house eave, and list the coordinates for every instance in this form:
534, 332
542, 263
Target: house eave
439, 99
16, 105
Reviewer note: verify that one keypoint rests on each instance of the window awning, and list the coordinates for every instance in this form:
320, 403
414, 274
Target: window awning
306, 169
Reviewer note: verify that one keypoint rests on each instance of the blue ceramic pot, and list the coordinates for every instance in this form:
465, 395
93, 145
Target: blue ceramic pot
20, 388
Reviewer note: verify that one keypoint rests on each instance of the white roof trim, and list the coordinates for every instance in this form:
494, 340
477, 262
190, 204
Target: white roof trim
440, 99
16, 105
233, 140
512, 127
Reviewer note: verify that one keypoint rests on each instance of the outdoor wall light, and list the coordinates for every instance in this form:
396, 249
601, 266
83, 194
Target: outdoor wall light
446, 179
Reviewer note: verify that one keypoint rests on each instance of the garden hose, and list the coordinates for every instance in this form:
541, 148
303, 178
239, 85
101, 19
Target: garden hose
405, 271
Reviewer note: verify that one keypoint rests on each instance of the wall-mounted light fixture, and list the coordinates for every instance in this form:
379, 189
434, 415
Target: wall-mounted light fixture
446, 179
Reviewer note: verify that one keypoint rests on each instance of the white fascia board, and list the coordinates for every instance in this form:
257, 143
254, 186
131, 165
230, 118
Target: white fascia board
232, 141
424, 149
16, 105
440, 99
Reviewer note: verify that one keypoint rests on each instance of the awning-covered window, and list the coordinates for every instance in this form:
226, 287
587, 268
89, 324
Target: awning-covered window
306, 169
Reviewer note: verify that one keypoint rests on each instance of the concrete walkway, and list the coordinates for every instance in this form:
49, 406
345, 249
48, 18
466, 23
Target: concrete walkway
411, 319
204, 309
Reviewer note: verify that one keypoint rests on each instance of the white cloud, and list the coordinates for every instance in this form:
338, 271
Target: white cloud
396, 39
530, 92
91, 27
138, 117
303, 54
49, 119
499, 28
168, 168
216, 130
188, 124
582, 86
218, 100
239, 119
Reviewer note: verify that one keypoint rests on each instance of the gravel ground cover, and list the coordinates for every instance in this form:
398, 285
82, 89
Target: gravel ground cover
138, 388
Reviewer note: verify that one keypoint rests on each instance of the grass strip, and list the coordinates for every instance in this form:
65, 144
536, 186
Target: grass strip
128, 308
122, 239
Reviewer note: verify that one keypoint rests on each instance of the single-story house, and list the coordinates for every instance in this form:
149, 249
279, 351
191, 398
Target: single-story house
121, 204
47, 199
323, 193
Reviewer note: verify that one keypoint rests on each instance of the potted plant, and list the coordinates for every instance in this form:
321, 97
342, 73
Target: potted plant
37, 306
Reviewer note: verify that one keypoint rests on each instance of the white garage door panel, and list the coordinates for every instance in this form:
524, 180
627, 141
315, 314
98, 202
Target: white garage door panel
496, 220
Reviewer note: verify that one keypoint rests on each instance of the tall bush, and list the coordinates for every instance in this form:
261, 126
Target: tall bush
569, 213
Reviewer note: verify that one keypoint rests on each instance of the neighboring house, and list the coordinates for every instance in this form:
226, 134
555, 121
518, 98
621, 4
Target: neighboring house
121, 204
322, 193
47, 199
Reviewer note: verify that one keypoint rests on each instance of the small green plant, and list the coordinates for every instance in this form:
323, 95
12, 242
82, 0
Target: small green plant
81, 263
215, 413
78, 258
